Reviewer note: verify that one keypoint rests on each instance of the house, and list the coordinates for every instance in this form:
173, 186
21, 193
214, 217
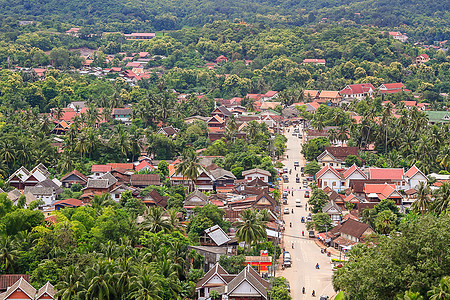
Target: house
53, 184
252, 174
46, 194
259, 202
392, 88
22, 177
144, 165
314, 61
336, 156
222, 178
247, 285
100, 170
330, 96
123, 166
436, 117
422, 58
122, 175
221, 59
216, 122
155, 199
99, 186
414, 177
123, 114
334, 211
214, 236
139, 36
338, 179
378, 192
350, 233
71, 202
269, 96
221, 112
211, 254
269, 105
168, 131
397, 35
116, 193
357, 91
194, 199
72, 178
310, 94
144, 180
74, 31
23, 290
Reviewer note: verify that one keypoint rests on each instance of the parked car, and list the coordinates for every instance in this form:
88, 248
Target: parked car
285, 170
302, 169
303, 219
311, 234
296, 164
297, 179
286, 211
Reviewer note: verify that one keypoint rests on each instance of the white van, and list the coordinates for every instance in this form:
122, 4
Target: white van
298, 203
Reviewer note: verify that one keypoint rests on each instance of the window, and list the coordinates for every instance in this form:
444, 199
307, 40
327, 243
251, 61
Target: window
116, 196
334, 183
325, 183
331, 164
323, 164
342, 183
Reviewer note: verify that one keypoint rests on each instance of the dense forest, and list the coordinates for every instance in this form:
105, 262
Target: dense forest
169, 15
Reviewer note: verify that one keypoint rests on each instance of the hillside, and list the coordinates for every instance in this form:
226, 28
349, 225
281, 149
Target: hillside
174, 14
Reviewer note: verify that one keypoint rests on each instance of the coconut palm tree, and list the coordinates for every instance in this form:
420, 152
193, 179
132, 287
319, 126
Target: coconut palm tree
154, 221
101, 283
190, 167
423, 198
252, 130
71, 285
145, 286
442, 199
332, 135
251, 229
444, 157
8, 253
442, 291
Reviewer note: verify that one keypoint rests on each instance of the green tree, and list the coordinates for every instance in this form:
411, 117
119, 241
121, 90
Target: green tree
312, 168
251, 229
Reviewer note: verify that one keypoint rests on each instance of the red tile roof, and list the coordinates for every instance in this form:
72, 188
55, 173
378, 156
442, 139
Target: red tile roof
352, 89
412, 171
121, 165
325, 169
142, 165
353, 168
69, 202
384, 173
101, 168
383, 191
410, 103
393, 86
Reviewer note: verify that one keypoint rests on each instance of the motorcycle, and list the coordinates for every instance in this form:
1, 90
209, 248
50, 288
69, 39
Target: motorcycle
317, 266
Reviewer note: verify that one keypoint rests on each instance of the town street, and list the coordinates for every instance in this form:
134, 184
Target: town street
305, 253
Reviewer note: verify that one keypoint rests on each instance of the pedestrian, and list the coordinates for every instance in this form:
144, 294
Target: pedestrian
303, 290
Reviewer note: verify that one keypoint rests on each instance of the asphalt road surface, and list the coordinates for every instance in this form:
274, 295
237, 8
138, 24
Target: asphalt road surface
305, 254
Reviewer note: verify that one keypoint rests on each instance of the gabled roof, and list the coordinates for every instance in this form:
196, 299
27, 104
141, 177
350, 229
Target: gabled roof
329, 94
220, 173
382, 191
216, 119
310, 93
385, 173
46, 289
354, 228
223, 110
253, 278
413, 171
326, 169
216, 270
392, 86
76, 173
351, 198
256, 170
126, 166
8, 280
23, 285
342, 152
195, 194
352, 169
169, 130
331, 204
143, 164
38, 190
362, 88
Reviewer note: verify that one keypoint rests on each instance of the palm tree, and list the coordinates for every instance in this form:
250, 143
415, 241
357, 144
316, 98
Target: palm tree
70, 286
144, 286
251, 229
442, 291
442, 199
252, 130
444, 157
154, 221
423, 198
100, 285
190, 167
332, 135
8, 253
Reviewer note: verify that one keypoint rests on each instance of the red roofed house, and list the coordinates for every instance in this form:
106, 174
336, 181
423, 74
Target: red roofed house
398, 36
221, 59
71, 202
335, 156
126, 166
74, 31
409, 104
311, 94
330, 96
270, 95
338, 180
314, 61
144, 165
100, 170
391, 88
357, 91
23, 290
395, 175
422, 58
414, 177
378, 192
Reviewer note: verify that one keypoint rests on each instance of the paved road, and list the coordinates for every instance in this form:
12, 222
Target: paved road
306, 253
